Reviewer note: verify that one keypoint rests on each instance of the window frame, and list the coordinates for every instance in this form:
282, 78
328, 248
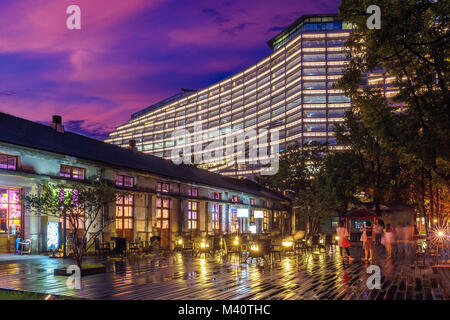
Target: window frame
193, 209
160, 187
7, 158
71, 176
122, 178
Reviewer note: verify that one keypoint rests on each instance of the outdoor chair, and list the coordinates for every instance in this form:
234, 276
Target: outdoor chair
24, 247
188, 246
315, 243
420, 254
301, 245
133, 247
232, 248
202, 246
217, 246
260, 249
100, 247
275, 248
329, 242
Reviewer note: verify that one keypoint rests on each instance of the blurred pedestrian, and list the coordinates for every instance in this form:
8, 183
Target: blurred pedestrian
379, 231
343, 241
388, 240
368, 238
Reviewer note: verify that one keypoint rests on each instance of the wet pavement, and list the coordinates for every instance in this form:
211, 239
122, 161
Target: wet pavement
303, 276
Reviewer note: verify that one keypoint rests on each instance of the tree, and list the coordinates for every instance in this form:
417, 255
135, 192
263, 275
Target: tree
313, 205
377, 164
298, 177
81, 205
412, 47
340, 178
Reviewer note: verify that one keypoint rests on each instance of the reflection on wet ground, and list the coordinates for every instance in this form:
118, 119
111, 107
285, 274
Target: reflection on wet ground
305, 276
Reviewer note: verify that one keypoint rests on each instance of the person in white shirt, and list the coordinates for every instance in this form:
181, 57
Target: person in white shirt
342, 233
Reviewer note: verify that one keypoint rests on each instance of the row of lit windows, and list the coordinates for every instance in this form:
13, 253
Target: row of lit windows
227, 84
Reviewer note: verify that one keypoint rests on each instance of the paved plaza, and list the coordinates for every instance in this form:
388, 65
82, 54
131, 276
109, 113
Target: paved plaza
306, 276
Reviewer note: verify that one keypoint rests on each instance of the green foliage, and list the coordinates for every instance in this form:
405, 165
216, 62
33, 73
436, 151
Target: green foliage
340, 178
413, 46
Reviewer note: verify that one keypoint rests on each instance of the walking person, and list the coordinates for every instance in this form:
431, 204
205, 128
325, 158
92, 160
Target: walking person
368, 238
343, 241
388, 240
379, 227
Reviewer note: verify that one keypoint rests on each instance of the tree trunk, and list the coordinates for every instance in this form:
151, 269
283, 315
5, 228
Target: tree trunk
430, 188
422, 182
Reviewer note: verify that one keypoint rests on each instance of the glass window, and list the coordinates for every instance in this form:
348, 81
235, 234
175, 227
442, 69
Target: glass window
193, 192
337, 56
10, 211
336, 43
318, 127
8, 162
314, 57
313, 43
215, 216
72, 172
163, 187
334, 70
313, 71
340, 98
314, 113
193, 212
314, 99
314, 85
336, 113
124, 216
124, 181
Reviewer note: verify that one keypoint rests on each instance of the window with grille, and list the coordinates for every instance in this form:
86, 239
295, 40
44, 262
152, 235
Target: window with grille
124, 181
124, 213
215, 218
193, 192
235, 199
162, 213
72, 172
163, 187
193, 210
8, 162
234, 221
217, 196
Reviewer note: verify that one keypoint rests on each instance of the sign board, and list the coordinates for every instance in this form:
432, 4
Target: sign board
52, 235
242, 213
259, 214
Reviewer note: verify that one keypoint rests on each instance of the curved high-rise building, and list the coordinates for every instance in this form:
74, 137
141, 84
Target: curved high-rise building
290, 91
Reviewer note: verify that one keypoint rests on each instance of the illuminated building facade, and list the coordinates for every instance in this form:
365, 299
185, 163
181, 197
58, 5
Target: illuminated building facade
290, 91
161, 198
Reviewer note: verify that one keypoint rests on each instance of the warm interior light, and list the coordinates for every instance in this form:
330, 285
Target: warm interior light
321, 240
180, 242
236, 242
337, 237
287, 243
254, 247
203, 245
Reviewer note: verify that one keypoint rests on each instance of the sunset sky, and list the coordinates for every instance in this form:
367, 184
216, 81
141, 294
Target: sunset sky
128, 54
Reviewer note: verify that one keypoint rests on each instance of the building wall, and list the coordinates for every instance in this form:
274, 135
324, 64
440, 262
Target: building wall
36, 166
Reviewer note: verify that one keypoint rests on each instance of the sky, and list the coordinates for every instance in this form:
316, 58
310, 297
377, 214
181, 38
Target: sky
128, 54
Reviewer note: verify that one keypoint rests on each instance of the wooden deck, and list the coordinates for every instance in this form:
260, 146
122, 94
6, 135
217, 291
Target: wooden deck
308, 276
